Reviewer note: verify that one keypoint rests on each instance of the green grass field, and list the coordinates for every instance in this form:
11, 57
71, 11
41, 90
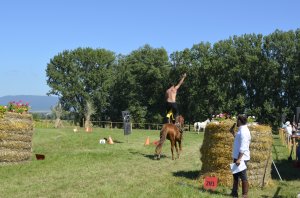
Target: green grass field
76, 165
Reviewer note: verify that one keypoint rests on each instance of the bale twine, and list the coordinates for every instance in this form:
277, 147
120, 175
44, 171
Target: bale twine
16, 132
216, 154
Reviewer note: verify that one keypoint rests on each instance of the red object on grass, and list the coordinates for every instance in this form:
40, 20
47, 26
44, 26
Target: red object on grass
156, 142
210, 183
40, 156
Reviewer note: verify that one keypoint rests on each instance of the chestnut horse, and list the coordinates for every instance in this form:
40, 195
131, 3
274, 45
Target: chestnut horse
174, 134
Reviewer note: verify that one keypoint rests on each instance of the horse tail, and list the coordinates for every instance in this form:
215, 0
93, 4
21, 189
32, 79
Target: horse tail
163, 137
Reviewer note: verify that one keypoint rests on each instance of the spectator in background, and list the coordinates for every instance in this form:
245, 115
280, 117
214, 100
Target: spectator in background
288, 130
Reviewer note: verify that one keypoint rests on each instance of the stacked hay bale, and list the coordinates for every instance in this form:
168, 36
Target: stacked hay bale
259, 166
216, 154
16, 132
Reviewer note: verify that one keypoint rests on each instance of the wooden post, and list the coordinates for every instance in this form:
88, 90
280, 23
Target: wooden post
289, 144
282, 137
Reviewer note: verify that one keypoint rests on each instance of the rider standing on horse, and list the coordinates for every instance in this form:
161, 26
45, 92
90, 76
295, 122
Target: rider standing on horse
171, 98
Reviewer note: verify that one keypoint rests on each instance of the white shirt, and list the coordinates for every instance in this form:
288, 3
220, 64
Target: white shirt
241, 143
289, 129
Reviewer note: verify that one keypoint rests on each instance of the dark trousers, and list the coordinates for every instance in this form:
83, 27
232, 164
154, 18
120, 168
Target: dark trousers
242, 174
172, 106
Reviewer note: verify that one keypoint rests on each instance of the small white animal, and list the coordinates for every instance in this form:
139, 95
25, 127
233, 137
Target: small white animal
102, 141
201, 125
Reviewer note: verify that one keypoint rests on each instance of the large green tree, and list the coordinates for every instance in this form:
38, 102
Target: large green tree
282, 49
82, 75
140, 84
255, 74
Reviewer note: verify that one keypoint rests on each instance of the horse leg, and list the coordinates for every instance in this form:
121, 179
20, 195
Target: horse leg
180, 147
158, 157
177, 150
172, 148
157, 152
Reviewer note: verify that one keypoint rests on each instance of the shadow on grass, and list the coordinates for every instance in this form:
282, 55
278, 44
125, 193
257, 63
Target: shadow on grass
152, 157
194, 175
276, 195
117, 141
287, 170
220, 191
187, 174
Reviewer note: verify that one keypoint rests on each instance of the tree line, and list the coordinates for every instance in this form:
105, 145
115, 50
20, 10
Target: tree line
253, 74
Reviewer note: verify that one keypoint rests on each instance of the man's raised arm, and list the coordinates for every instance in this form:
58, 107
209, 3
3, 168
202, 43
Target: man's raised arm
181, 81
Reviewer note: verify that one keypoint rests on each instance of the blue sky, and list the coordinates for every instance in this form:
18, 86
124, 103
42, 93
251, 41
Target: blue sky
34, 31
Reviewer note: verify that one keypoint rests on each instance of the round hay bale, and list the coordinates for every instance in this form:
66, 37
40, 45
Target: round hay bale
16, 132
216, 154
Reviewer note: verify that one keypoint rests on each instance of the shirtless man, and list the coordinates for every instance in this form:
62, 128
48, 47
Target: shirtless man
171, 97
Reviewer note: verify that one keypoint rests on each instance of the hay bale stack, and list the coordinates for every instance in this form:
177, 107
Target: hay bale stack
216, 154
259, 166
16, 132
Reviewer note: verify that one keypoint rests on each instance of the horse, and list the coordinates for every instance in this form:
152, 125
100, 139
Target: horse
173, 133
201, 125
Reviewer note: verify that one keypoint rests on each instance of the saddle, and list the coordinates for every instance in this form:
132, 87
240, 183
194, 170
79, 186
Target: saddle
170, 117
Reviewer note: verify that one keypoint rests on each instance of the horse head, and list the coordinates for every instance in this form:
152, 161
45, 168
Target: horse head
180, 121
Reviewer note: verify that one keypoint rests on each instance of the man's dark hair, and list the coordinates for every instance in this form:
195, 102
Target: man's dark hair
242, 118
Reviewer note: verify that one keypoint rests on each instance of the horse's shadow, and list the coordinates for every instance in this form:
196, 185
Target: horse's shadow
152, 157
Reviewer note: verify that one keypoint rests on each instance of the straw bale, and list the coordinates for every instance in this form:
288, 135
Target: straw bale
16, 122
254, 165
15, 145
7, 155
216, 153
16, 137
16, 132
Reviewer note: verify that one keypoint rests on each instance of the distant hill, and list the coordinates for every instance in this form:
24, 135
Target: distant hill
37, 103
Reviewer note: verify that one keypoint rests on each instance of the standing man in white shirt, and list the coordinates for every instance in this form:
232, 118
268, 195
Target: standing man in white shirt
241, 152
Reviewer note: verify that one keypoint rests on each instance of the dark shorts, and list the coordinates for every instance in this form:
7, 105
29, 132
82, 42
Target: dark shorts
242, 174
172, 106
